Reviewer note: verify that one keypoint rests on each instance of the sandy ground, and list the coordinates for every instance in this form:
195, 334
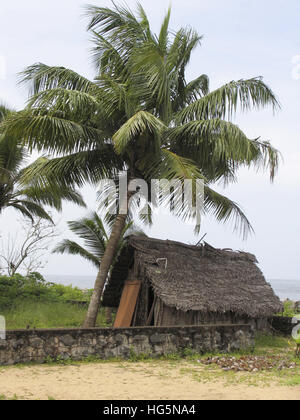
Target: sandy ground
131, 381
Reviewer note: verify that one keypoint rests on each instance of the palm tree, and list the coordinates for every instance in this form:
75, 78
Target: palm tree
92, 231
27, 199
142, 116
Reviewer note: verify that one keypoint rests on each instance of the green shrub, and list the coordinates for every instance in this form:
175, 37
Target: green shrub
31, 302
288, 309
34, 287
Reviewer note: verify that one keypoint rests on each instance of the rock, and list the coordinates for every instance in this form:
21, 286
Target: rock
102, 342
120, 338
3, 344
139, 339
17, 344
157, 338
36, 342
67, 340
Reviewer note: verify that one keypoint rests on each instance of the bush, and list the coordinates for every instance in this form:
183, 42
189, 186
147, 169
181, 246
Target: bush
35, 288
288, 309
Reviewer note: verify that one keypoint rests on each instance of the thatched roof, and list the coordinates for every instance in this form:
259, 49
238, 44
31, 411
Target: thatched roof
198, 278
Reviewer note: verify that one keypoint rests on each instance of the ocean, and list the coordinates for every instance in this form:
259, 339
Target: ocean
283, 288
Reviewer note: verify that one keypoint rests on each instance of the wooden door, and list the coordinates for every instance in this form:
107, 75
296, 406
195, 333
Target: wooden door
127, 303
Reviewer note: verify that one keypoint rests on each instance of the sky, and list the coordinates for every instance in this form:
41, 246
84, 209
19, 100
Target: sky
241, 39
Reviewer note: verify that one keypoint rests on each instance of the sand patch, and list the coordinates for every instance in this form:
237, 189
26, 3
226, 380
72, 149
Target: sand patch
128, 381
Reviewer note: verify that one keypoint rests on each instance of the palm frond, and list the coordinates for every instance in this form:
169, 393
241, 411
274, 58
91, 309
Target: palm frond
115, 22
163, 38
70, 103
224, 210
144, 21
92, 231
224, 102
52, 195
106, 57
119, 27
23, 211
114, 96
73, 248
172, 166
12, 153
142, 123
44, 131
197, 88
4, 112
75, 169
150, 69
30, 209
216, 144
41, 77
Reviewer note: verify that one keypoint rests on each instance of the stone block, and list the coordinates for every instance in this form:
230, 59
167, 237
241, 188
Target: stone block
67, 340
157, 338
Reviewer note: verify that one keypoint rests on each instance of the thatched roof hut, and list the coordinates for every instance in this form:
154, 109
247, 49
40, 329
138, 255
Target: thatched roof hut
189, 284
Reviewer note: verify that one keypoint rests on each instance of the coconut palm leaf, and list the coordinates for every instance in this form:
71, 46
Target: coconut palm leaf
52, 196
67, 102
216, 143
41, 77
75, 169
25, 195
92, 231
30, 209
197, 88
73, 248
224, 102
46, 131
225, 210
142, 123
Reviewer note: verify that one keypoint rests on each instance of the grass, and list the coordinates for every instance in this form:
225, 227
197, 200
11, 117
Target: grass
41, 314
4, 398
266, 345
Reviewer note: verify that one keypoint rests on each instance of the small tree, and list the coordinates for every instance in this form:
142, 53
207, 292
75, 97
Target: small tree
95, 236
27, 256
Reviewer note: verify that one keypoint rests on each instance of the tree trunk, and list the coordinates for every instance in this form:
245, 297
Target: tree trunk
108, 316
116, 234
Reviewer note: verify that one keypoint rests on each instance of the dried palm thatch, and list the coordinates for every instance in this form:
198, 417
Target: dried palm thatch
195, 278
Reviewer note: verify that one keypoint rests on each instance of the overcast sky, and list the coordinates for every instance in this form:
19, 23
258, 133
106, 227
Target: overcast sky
242, 39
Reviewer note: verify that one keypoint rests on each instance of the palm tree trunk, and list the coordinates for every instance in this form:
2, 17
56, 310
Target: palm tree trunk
108, 316
112, 244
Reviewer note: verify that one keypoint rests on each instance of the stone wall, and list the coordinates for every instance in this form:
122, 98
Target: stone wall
23, 346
